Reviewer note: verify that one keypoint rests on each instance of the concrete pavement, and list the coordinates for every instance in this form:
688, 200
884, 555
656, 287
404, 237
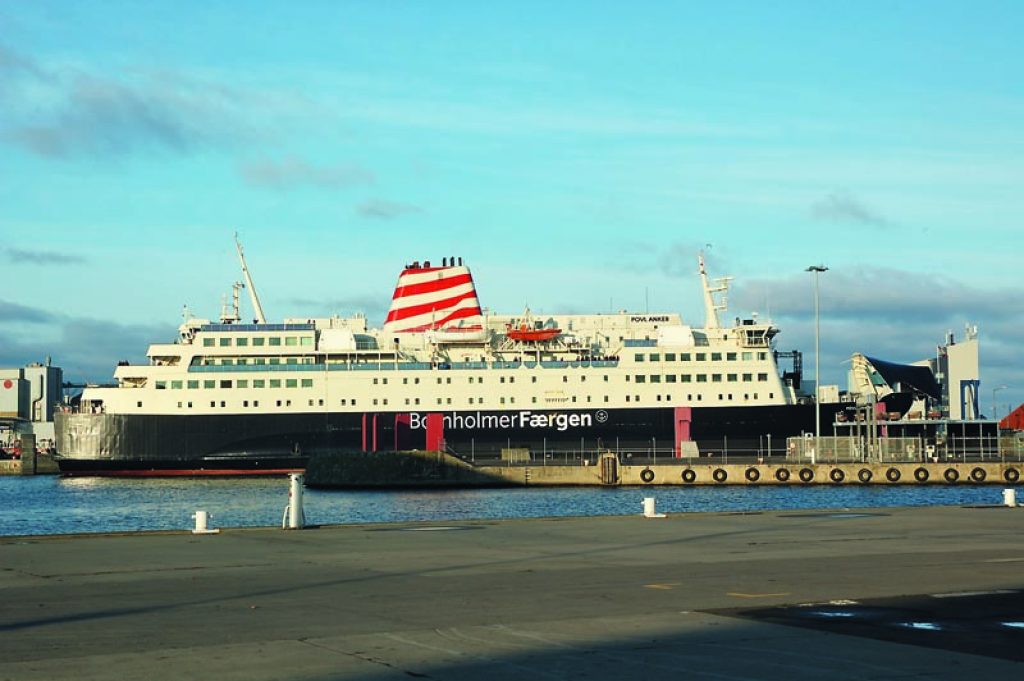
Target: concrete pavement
690, 596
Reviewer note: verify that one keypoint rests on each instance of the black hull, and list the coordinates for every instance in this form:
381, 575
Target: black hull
274, 443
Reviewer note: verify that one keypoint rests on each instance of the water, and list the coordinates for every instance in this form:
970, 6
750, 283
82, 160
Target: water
55, 505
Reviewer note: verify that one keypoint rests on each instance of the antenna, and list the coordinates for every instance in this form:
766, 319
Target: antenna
256, 307
711, 306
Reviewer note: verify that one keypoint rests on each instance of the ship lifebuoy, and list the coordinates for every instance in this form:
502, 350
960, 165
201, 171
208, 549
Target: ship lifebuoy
689, 475
978, 474
837, 475
1011, 475
647, 475
921, 474
864, 475
720, 475
893, 475
951, 475
782, 475
752, 474
806, 474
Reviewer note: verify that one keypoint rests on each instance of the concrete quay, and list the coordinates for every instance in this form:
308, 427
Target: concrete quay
899, 593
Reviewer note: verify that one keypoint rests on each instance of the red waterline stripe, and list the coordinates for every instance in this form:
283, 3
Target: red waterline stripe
170, 473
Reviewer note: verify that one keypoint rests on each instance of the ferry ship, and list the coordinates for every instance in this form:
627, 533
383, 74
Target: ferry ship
441, 373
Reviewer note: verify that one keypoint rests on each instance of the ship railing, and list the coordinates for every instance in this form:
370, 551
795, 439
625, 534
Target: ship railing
220, 328
640, 343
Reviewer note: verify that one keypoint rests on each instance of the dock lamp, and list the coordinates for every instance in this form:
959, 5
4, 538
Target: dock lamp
995, 411
816, 270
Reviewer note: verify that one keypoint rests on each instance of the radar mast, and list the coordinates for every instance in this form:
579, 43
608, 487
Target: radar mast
256, 307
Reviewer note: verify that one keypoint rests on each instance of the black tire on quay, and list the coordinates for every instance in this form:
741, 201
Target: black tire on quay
806, 474
951, 475
978, 474
752, 474
689, 475
864, 475
1011, 475
782, 475
921, 474
837, 475
720, 475
893, 475
647, 475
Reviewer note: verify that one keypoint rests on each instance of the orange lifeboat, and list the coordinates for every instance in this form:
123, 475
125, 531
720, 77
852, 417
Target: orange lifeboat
525, 334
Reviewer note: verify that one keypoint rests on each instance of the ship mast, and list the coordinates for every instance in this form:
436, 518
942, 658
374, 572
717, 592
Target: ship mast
711, 306
257, 308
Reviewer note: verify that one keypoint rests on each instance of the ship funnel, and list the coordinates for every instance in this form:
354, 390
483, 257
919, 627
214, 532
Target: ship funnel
429, 298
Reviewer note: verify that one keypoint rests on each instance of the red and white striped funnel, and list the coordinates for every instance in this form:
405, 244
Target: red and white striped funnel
433, 298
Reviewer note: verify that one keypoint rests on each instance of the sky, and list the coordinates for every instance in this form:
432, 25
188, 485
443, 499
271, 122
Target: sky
577, 155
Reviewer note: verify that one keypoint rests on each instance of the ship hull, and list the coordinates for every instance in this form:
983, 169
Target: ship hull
271, 444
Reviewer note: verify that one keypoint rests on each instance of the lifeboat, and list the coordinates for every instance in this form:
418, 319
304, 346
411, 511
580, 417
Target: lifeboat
453, 335
525, 334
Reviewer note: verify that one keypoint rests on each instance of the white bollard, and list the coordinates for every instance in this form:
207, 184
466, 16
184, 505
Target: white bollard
1010, 498
296, 517
649, 507
201, 518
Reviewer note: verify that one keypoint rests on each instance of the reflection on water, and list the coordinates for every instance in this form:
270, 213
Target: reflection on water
55, 505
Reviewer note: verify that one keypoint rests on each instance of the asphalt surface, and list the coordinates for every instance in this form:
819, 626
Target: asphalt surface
930, 593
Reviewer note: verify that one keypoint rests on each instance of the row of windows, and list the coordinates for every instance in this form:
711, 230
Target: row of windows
700, 378
259, 341
245, 361
237, 383
700, 356
722, 397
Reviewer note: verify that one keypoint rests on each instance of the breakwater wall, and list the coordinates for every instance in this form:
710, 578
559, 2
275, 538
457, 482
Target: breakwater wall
437, 469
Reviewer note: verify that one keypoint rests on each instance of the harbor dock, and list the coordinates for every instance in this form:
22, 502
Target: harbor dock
929, 592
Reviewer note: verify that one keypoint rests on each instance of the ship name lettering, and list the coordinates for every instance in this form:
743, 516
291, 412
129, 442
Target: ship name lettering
523, 419
649, 318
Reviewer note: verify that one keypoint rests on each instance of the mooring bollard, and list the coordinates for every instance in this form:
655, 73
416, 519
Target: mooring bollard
201, 518
1010, 498
295, 517
649, 507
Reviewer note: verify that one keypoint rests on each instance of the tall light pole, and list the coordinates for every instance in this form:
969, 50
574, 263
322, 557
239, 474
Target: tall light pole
816, 270
995, 413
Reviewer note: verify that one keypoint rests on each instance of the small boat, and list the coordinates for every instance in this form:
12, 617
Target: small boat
524, 333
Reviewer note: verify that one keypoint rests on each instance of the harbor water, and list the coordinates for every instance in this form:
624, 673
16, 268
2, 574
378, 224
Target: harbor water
55, 505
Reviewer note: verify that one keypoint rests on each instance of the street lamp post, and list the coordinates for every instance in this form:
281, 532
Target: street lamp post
816, 270
995, 412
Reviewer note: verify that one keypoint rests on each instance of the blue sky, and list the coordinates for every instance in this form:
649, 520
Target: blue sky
576, 155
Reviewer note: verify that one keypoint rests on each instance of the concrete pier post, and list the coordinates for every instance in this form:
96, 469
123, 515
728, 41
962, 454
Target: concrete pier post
28, 454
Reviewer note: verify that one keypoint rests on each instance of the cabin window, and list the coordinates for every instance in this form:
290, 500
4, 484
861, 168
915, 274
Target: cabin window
716, 378
242, 383
307, 383
209, 384
275, 360
161, 385
762, 355
685, 378
639, 357
274, 340
702, 378
259, 383
684, 357
655, 357
307, 340
730, 356
762, 377
258, 342
747, 356
701, 356
640, 378
225, 384
225, 342
192, 385
291, 360
671, 378
140, 404
227, 362
207, 342
291, 383
175, 385
748, 377
241, 342
731, 378
670, 356
655, 379
291, 340
275, 383
716, 357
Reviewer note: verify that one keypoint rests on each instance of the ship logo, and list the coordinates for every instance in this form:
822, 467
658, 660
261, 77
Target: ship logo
601, 416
